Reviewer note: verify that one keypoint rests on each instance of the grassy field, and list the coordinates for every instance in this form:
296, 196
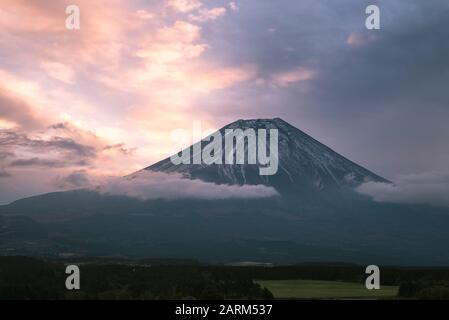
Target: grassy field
314, 289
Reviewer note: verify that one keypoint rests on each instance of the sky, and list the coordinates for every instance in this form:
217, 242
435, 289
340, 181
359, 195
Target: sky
77, 106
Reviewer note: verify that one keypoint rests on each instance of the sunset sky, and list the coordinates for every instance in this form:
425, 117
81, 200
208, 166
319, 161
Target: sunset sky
80, 105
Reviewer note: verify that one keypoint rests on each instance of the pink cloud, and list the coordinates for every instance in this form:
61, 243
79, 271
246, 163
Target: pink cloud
59, 71
356, 40
17, 113
208, 14
185, 5
288, 78
128, 83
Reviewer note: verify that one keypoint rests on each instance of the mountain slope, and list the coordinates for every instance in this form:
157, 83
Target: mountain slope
305, 165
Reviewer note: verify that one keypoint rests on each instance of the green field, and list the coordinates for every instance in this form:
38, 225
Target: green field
314, 289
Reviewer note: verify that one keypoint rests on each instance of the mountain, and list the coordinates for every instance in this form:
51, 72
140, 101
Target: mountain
305, 165
316, 216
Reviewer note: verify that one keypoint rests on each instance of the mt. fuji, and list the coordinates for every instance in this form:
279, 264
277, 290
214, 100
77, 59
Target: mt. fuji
316, 214
304, 163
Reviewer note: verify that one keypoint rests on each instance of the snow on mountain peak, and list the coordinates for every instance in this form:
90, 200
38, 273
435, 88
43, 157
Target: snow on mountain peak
304, 163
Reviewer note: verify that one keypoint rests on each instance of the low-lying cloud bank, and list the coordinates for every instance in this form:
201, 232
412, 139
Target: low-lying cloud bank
147, 185
429, 188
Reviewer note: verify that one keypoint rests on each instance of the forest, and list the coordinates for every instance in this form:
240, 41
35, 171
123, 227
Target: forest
32, 278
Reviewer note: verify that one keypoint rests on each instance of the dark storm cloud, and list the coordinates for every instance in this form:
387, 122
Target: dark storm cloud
379, 97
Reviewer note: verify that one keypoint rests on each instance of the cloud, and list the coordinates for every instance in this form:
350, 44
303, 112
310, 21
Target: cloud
288, 78
170, 44
147, 185
4, 174
59, 71
52, 152
184, 5
15, 139
50, 101
160, 70
75, 180
37, 162
144, 14
233, 6
429, 188
56, 76
17, 112
120, 147
358, 39
208, 14
6, 154
380, 100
